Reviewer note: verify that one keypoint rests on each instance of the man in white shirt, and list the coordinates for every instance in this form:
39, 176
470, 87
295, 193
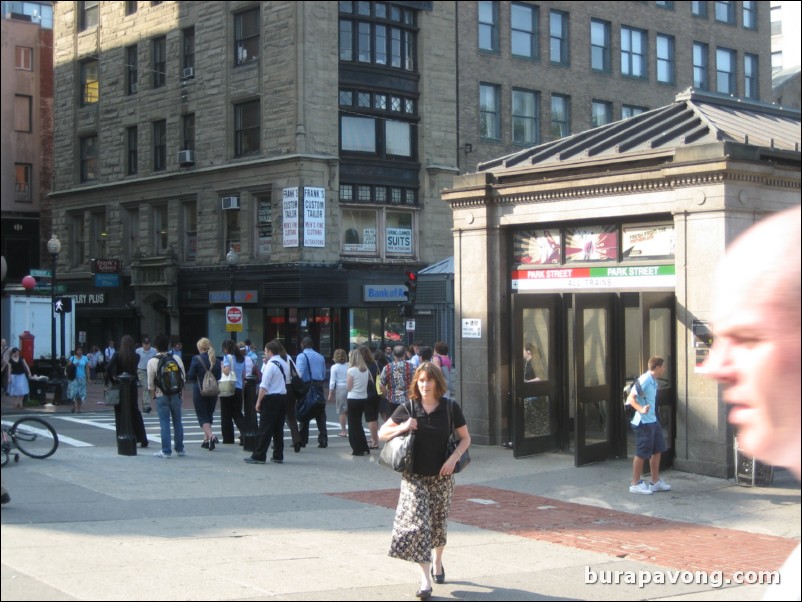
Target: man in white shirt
270, 405
145, 353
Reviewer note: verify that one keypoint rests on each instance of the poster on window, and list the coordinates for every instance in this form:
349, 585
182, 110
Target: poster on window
648, 241
264, 219
399, 240
591, 243
289, 221
314, 217
537, 247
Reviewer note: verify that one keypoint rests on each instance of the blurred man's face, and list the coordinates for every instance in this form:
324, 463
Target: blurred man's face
756, 355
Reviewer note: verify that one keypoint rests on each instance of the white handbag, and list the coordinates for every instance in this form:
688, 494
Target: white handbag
228, 382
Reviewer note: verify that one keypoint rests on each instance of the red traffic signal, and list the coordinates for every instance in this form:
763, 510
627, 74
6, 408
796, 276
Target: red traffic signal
412, 286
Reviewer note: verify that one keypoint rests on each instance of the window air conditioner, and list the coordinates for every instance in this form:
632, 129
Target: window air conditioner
230, 202
186, 157
188, 72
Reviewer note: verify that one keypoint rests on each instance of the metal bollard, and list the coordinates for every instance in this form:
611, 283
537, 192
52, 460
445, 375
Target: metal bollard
250, 438
126, 440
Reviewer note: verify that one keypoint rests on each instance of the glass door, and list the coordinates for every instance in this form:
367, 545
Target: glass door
593, 349
536, 389
658, 339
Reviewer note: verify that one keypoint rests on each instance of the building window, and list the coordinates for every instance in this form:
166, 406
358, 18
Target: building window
398, 235
725, 12
159, 62
99, 236
628, 111
489, 114
88, 152
188, 52
233, 232
524, 20
751, 88
560, 116
246, 129
725, 71
699, 9
601, 113
558, 37
188, 132
22, 185
160, 145
132, 69
264, 225
132, 148
359, 231
131, 236
665, 4
749, 14
379, 230
87, 15
377, 34
160, 229
78, 246
700, 77
190, 210
23, 58
378, 123
665, 58
90, 87
525, 117
131, 8
633, 52
246, 36
23, 113
488, 26
600, 46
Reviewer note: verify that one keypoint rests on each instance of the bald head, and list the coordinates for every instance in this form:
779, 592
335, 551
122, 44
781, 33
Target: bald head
755, 354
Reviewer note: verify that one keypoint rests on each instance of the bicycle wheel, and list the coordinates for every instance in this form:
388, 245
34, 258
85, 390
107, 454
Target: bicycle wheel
34, 437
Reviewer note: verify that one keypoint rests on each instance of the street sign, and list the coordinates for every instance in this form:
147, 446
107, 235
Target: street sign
410, 325
233, 318
41, 273
107, 280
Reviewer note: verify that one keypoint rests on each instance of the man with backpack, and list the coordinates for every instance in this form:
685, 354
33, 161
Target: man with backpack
312, 369
648, 430
166, 378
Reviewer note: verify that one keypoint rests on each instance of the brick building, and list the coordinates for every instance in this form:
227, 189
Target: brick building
314, 139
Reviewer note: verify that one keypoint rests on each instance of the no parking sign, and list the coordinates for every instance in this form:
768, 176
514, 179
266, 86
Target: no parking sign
234, 318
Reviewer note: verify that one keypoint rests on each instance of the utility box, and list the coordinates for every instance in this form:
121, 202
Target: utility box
749, 472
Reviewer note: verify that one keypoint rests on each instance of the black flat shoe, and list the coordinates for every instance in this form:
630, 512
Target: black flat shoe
424, 594
205, 445
211, 443
441, 578
296, 447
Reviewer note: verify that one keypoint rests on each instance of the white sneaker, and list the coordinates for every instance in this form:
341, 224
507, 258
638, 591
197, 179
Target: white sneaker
641, 487
661, 485
161, 454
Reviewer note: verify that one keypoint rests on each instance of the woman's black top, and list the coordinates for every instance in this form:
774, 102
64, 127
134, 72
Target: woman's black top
432, 435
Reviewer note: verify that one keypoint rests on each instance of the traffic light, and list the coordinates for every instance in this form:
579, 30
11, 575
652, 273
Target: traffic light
412, 286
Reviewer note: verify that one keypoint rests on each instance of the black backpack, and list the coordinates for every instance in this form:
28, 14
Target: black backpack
629, 411
71, 371
169, 377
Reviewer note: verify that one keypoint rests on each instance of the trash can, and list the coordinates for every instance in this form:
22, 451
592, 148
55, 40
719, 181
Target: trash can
749, 472
38, 389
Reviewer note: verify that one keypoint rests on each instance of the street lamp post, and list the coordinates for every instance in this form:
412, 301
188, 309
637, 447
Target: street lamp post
232, 259
54, 248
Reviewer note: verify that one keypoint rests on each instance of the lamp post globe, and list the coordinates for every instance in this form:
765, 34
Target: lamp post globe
54, 248
232, 258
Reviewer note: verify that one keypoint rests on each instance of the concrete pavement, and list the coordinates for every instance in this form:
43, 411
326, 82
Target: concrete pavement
88, 524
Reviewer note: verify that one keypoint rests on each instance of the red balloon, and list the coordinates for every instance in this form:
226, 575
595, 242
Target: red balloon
29, 282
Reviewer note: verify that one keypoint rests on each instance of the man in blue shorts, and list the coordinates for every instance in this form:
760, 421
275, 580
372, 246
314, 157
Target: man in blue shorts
650, 443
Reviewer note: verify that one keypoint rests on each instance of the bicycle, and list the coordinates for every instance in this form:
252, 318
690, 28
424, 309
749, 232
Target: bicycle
32, 436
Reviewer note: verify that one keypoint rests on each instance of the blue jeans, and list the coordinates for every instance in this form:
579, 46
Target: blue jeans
169, 406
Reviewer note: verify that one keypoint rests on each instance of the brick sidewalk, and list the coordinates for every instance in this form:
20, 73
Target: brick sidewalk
667, 543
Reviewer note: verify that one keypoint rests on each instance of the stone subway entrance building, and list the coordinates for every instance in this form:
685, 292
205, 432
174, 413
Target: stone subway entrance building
578, 259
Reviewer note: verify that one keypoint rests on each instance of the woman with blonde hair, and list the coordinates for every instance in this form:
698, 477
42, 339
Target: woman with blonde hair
357, 383
205, 361
338, 387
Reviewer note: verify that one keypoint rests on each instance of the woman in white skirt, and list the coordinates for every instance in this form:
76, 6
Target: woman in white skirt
18, 374
338, 387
